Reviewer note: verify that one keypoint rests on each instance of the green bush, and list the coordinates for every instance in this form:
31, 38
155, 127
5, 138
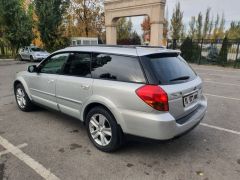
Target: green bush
223, 55
190, 51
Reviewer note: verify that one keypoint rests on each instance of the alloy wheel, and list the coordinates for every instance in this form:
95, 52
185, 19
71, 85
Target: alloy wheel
100, 129
21, 100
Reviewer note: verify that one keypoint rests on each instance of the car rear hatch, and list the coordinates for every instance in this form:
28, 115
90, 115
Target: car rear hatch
182, 85
183, 98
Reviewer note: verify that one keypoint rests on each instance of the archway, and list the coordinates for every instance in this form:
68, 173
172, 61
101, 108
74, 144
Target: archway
115, 9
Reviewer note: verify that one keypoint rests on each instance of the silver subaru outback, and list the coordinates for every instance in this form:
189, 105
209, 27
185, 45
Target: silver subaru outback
117, 91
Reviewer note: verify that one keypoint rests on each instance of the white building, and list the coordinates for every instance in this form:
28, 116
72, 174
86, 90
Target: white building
75, 41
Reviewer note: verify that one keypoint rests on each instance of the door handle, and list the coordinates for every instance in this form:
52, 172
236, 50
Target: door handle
85, 86
50, 81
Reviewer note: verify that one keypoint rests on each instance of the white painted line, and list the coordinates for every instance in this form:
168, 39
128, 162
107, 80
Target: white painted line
207, 79
37, 167
7, 151
224, 75
224, 97
221, 129
228, 84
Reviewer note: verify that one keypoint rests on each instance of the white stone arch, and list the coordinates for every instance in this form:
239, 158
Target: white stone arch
154, 9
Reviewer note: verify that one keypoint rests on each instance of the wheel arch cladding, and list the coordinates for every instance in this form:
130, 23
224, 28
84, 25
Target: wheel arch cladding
24, 84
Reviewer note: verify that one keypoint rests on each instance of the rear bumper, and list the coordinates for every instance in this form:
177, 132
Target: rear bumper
162, 126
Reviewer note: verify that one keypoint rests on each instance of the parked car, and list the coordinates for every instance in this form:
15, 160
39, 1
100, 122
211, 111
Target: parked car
32, 53
117, 91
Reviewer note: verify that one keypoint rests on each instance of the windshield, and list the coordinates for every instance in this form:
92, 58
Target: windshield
170, 69
37, 49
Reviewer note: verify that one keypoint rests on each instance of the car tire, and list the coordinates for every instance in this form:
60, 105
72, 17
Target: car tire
22, 99
31, 59
103, 130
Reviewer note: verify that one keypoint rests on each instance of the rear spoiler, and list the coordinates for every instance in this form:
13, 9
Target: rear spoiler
142, 51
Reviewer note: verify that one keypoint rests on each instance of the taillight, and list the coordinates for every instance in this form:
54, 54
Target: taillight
154, 96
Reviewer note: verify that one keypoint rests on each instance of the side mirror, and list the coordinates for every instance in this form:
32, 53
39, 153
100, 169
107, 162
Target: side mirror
32, 68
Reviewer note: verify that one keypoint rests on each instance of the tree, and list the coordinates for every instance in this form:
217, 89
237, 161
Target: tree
146, 25
234, 30
223, 55
219, 28
186, 49
135, 38
166, 27
183, 32
210, 28
190, 51
176, 22
146, 28
199, 26
176, 25
192, 28
206, 23
221, 32
125, 33
2, 38
89, 15
124, 30
216, 27
50, 22
16, 24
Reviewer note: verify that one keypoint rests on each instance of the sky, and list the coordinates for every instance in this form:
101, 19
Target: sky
231, 9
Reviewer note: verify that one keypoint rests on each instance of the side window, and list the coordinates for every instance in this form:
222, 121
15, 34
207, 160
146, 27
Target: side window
54, 64
78, 65
116, 67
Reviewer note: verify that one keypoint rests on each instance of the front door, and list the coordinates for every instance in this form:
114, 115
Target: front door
74, 87
43, 84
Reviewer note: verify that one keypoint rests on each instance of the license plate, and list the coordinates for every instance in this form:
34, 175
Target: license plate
190, 99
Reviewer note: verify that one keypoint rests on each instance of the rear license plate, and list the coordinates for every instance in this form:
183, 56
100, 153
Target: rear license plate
190, 99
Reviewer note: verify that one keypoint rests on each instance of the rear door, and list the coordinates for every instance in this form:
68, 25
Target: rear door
74, 86
175, 76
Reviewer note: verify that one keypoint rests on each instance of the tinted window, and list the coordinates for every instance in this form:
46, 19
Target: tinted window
78, 65
37, 49
54, 64
119, 68
170, 69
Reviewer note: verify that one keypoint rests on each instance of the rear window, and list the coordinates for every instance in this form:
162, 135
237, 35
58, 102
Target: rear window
117, 68
170, 69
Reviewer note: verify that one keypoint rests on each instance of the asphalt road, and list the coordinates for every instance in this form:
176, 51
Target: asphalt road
46, 144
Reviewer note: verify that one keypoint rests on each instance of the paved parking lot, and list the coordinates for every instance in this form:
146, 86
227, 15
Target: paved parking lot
46, 144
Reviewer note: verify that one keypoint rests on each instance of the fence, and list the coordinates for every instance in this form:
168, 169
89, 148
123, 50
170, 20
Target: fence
208, 51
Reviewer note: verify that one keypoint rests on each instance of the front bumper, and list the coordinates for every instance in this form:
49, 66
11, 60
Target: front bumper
162, 126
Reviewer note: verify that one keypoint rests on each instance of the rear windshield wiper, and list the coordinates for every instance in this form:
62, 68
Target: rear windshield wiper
180, 78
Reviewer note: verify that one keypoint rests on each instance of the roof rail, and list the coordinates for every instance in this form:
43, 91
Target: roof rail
119, 46
145, 46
